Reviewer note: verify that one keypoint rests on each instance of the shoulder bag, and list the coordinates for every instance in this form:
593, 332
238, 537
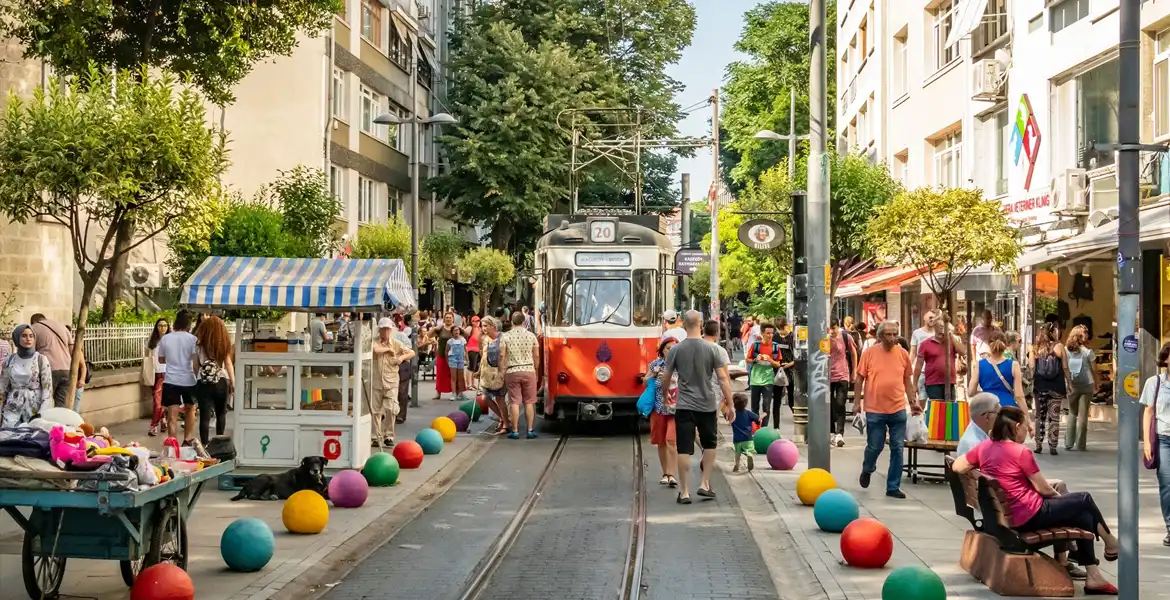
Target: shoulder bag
1152, 433
148, 370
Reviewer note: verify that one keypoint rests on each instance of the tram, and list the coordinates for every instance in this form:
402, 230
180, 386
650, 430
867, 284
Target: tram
602, 286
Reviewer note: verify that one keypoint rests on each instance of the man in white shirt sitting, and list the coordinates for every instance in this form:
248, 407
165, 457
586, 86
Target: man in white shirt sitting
984, 407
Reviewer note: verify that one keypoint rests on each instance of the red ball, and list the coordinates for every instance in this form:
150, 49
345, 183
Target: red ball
163, 581
409, 454
867, 544
481, 400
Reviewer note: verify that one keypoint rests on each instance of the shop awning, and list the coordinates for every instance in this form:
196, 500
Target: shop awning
1155, 226
308, 284
875, 281
970, 16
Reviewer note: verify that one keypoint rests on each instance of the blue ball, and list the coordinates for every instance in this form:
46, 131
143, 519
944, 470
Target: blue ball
834, 510
430, 440
247, 545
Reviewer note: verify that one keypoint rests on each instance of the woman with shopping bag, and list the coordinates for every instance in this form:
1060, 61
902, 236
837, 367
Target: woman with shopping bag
1156, 421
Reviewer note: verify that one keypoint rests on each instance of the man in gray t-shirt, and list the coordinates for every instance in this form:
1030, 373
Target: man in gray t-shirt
695, 360
318, 334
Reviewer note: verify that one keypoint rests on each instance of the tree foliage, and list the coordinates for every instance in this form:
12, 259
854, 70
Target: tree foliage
516, 66
215, 44
308, 210
944, 233
383, 240
439, 255
92, 160
485, 270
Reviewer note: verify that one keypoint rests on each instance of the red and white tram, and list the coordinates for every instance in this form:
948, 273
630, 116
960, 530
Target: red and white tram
602, 286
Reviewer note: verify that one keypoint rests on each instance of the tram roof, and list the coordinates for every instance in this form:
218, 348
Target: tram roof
632, 230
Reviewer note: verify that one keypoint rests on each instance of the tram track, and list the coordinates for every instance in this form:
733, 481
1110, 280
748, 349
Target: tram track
630, 586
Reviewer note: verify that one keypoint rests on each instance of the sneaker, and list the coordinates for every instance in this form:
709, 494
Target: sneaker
532, 434
1075, 572
1166, 540
896, 494
388, 442
751, 463
840, 441
864, 480
514, 435
153, 431
1053, 452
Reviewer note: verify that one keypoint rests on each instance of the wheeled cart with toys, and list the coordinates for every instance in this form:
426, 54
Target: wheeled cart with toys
137, 528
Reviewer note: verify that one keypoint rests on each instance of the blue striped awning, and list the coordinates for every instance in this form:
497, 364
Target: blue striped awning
329, 284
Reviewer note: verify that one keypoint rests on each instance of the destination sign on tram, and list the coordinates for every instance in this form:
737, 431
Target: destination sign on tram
603, 259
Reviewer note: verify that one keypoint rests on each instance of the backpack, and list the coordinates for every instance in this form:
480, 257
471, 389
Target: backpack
208, 370
492, 355
775, 352
1048, 366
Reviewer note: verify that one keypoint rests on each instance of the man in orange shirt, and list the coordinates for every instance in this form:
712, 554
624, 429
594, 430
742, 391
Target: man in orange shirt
884, 385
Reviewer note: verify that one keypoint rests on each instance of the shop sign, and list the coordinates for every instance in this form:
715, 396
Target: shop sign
687, 260
1030, 208
761, 234
1025, 140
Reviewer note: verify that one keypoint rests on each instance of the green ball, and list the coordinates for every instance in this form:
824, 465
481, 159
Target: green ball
763, 438
472, 410
913, 583
381, 470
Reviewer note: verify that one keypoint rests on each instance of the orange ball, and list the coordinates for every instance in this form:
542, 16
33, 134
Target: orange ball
163, 581
867, 544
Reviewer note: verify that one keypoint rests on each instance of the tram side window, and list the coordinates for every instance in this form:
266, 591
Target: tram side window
559, 297
647, 301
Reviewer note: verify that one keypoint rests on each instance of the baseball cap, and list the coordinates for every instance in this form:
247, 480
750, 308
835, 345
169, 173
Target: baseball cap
670, 315
385, 323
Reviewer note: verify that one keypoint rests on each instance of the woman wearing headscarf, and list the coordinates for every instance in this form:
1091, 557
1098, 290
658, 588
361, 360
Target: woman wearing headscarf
26, 382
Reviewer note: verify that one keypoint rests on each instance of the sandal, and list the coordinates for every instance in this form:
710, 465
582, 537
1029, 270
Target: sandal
1111, 556
665, 480
1107, 590
709, 494
673, 482
682, 500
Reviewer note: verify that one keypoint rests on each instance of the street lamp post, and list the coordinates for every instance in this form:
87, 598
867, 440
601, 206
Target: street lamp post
415, 157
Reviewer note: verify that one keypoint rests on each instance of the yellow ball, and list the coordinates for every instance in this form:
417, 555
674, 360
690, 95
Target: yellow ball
812, 483
305, 512
445, 427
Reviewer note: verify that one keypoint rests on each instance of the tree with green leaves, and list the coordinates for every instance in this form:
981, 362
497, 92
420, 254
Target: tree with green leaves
212, 44
90, 160
439, 255
486, 270
943, 233
308, 209
383, 240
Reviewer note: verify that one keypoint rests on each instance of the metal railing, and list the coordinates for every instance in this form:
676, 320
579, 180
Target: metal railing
113, 346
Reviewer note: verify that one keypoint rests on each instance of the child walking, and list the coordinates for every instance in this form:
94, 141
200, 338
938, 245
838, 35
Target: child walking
741, 430
457, 361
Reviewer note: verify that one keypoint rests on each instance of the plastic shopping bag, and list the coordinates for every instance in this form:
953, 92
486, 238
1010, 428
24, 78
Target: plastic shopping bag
916, 430
646, 400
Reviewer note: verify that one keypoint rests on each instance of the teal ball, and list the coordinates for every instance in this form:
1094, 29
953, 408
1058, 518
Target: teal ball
247, 545
430, 440
835, 509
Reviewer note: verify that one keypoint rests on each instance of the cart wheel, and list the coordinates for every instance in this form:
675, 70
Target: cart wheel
43, 575
168, 540
130, 570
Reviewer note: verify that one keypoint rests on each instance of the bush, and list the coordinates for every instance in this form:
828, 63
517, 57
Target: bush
125, 314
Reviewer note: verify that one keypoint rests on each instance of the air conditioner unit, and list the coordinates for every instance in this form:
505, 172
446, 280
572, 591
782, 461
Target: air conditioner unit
145, 275
989, 76
1070, 191
424, 11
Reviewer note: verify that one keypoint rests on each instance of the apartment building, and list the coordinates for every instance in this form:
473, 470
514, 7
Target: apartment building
317, 107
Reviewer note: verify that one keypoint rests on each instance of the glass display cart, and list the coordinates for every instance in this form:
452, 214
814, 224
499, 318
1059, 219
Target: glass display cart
298, 394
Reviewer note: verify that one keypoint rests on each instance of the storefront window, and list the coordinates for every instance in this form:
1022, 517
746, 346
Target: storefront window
647, 299
1097, 104
602, 301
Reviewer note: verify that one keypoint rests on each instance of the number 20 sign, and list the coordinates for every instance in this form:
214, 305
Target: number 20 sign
602, 231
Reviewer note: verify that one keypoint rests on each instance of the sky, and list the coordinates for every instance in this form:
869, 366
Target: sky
701, 70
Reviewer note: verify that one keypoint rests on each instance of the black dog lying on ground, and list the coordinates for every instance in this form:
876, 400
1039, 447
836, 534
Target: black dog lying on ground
309, 476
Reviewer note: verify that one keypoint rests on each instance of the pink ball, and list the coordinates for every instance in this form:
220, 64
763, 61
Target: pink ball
348, 489
783, 455
461, 420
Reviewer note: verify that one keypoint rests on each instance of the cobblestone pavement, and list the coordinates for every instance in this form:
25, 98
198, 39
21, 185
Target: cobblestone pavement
434, 554
704, 550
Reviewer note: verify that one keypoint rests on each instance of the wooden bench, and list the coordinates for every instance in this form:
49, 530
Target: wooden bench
916, 470
1009, 562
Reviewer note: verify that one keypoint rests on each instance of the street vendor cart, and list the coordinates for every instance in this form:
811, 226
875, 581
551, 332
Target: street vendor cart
295, 398
137, 528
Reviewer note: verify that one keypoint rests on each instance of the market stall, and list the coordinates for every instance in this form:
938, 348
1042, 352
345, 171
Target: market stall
296, 396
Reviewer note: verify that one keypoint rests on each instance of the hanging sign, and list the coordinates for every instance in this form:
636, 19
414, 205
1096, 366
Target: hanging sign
331, 449
687, 260
761, 234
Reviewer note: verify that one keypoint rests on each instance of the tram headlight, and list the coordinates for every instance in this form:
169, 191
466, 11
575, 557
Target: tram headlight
602, 373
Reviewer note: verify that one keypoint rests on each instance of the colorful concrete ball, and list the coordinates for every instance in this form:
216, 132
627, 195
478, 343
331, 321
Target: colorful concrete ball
163, 581
348, 489
430, 440
783, 455
763, 438
305, 512
462, 421
446, 428
812, 483
472, 410
913, 582
247, 545
835, 510
866, 544
409, 454
482, 403
381, 470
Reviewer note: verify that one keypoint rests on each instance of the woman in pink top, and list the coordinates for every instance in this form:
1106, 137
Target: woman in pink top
1033, 504
473, 334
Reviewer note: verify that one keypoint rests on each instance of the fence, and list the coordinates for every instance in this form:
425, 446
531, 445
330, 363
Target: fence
115, 346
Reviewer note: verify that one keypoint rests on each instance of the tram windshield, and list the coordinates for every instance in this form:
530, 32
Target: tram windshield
600, 301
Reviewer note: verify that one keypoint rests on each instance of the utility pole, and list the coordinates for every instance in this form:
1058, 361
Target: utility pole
715, 205
792, 135
685, 184
1129, 263
416, 157
799, 309
817, 246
